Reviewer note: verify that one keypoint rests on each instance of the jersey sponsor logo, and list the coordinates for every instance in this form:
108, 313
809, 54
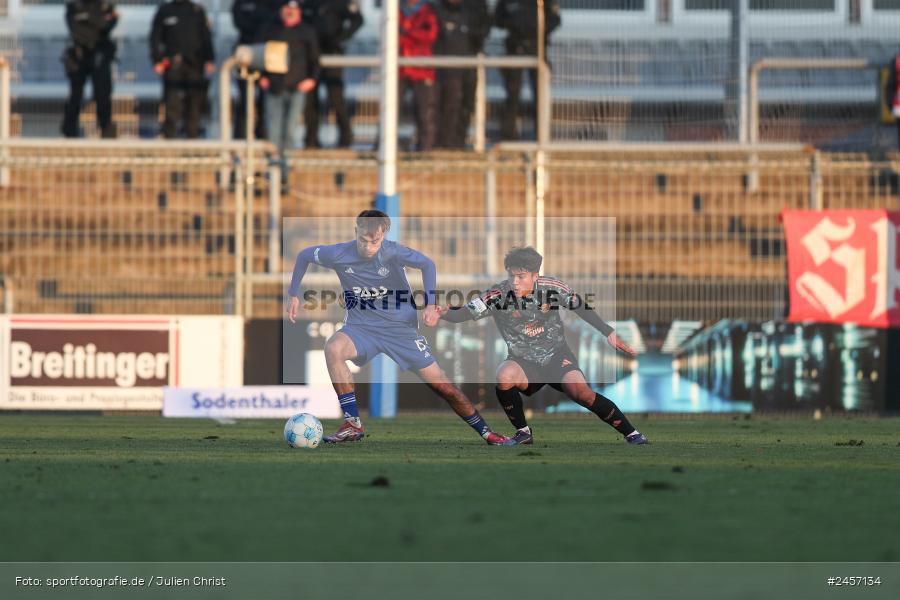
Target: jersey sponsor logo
533, 328
384, 271
169, 21
370, 293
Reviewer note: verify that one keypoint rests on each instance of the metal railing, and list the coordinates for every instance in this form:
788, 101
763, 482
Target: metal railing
787, 64
5, 112
128, 226
89, 224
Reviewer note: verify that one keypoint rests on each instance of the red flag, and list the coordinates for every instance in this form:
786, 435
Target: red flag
842, 266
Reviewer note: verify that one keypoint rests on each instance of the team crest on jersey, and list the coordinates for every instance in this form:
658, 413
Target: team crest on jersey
516, 314
566, 362
383, 271
545, 308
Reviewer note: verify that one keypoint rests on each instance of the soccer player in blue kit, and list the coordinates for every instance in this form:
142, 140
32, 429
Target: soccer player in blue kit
380, 318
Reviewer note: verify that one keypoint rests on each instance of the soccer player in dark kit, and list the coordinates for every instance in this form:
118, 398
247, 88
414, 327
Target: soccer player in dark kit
525, 308
380, 318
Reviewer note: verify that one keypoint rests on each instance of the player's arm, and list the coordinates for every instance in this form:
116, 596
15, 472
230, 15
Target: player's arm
321, 255
455, 314
589, 316
478, 308
415, 259
586, 313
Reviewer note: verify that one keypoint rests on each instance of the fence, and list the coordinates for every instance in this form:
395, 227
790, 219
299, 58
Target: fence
181, 229
122, 227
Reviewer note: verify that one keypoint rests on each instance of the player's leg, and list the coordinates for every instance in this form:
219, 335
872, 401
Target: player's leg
511, 380
437, 380
338, 350
575, 387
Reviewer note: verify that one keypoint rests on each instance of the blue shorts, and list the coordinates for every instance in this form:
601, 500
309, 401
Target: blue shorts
403, 345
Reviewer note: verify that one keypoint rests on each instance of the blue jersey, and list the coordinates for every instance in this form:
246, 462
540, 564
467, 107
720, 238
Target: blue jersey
375, 290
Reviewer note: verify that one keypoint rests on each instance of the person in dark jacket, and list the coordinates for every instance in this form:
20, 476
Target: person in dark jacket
89, 54
335, 22
464, 25
892, 94
182, 53
285, 92
418, 32
250, 18
519, 19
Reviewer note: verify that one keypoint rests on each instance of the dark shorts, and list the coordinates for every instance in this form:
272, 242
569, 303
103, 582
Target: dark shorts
402, 344
551, 373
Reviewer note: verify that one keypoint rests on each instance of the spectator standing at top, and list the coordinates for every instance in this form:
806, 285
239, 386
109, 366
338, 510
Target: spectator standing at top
519, 19
285, 92
335, 22
90, 53
182, 53
464, 25
250, 18
892, 94
418, 32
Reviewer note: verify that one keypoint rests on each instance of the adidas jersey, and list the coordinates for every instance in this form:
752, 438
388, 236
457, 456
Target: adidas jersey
375, 290
531, 326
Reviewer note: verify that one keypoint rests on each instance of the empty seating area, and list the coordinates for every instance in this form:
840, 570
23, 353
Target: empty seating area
159, 233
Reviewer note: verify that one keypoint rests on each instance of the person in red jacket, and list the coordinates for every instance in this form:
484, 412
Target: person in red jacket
418, 32
892, 93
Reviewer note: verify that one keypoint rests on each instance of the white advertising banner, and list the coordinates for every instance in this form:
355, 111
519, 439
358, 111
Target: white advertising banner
256, 402
86, 362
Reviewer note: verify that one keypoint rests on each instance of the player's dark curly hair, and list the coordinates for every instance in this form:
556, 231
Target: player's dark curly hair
370, 221
523, 257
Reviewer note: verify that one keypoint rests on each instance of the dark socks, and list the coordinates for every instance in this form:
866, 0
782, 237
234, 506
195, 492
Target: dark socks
610, 414
511, 401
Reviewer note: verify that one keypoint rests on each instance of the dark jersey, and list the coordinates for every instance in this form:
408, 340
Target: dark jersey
531, 326
181, 34
376, 291
519, 18
303, 51
335, 22
90, 23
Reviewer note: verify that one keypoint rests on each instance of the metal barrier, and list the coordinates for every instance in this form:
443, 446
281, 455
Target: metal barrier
124, 226
5, 113
787, 64
695, 239
153, 227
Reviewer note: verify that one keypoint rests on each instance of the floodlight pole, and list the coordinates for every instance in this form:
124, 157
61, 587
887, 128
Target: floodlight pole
383, 399
542, 127
249, 184
736, 89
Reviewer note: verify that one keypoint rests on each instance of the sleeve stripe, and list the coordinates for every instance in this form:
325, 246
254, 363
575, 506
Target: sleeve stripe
555, 282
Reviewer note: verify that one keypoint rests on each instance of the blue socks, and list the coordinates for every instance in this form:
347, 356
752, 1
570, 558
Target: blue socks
348, 406
477, 423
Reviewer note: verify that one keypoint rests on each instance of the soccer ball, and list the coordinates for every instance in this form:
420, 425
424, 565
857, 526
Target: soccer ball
303, 431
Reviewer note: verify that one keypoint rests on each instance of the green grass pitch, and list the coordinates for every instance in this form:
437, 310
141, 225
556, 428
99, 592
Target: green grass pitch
707, 489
